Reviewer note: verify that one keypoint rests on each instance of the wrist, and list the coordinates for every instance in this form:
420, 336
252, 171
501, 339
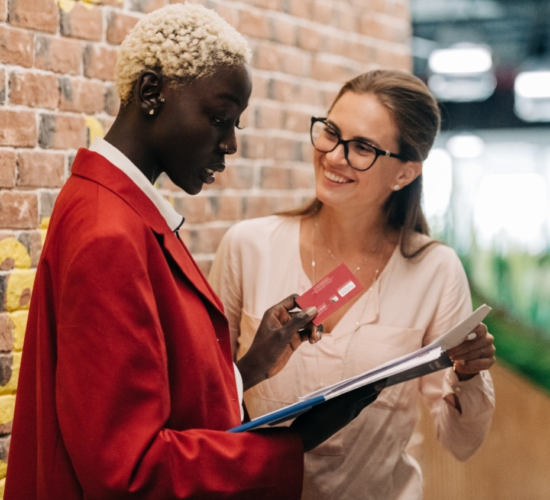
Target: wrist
250, 371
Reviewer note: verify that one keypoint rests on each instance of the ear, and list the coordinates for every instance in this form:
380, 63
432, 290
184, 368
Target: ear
409, 171
149, 92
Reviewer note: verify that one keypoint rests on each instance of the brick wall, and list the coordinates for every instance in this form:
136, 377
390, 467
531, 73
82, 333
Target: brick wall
56, 95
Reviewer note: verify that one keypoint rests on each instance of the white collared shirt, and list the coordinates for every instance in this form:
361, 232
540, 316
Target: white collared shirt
173, 219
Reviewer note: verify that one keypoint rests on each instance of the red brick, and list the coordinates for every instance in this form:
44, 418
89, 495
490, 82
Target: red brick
112, 101
274, 178
259, 85
205, 264
283, 203
81, 95
283, 30
345, 19
258, 206
58, 55
233, 177
253, 23
82, 21
196, 209
40, 169
34, 89
302, 178
328, 69
207, 239
297, 121
301, 8
336, 43
322, 12
18, 210
7, 168
286, 149
6, 333
33, 243
268, 115
311, 39
118, 26
17, 128
15, 47
267, 4
2, 86
99, 62
62, 132
228, 12
147, 6
228, 207
266, 56
296, 62
40, 15
257, 146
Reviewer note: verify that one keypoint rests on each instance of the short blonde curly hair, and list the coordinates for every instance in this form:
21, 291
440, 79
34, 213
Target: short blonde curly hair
182, 41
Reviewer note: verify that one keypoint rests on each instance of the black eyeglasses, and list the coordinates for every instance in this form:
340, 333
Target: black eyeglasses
360, 155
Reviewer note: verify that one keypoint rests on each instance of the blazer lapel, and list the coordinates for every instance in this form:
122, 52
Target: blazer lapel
96, 168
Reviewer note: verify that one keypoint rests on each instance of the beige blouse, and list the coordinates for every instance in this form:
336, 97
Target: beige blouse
412, 303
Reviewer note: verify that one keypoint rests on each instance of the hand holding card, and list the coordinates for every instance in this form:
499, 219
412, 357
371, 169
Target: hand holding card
334, 291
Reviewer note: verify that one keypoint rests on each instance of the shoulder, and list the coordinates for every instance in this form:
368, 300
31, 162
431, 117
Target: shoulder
437, 256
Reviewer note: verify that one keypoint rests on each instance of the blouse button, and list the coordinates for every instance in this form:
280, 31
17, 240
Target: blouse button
458, 389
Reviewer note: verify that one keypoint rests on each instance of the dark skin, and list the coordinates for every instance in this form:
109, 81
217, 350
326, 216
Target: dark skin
185, 131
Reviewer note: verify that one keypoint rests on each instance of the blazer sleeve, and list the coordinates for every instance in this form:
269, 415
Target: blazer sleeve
113, 397
462, 411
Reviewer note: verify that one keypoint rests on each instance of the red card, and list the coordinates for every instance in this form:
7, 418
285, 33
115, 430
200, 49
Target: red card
331, 293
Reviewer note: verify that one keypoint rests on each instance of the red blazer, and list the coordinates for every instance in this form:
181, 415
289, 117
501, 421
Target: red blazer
127, 385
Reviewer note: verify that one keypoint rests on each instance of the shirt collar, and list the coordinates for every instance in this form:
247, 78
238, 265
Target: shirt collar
113, 155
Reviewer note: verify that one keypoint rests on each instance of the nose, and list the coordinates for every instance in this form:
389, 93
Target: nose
228, 146
337, 156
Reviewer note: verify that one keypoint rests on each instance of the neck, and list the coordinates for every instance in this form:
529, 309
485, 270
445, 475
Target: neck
131, 139
348, 233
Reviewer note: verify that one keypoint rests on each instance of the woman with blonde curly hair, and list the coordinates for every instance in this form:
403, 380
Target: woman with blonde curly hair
367, 156
127, 384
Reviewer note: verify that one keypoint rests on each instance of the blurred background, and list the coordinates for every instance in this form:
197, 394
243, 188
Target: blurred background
487, 185
487, 180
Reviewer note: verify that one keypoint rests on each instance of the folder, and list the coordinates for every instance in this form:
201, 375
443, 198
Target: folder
428, 359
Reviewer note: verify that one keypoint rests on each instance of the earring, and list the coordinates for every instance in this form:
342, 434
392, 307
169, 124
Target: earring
397, 187
162, 99
151, 111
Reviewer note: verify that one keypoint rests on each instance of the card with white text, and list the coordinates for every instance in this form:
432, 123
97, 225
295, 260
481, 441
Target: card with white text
334, 291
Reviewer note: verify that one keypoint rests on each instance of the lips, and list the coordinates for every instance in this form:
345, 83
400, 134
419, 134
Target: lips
209, 173
338, 179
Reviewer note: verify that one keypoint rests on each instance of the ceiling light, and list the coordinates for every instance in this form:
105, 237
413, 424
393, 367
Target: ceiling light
466, 146
461, 60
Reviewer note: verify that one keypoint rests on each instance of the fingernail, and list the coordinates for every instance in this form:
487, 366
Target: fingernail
471, 336
311, 311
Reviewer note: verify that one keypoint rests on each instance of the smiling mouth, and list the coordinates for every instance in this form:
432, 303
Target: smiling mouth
336, 178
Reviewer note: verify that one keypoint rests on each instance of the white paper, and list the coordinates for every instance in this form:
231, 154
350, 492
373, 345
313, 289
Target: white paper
452, 338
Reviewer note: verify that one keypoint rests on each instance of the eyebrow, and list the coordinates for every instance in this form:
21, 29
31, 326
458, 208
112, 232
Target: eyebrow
370, 142
230, 97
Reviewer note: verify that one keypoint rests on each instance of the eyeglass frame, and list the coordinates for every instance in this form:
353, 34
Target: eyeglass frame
378, 152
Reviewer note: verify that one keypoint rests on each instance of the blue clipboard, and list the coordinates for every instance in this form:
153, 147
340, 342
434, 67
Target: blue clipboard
281, 415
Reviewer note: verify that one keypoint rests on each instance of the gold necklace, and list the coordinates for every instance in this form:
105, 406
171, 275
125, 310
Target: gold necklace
333, 257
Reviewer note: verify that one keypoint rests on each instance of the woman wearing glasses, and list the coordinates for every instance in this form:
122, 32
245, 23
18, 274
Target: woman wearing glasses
367, 156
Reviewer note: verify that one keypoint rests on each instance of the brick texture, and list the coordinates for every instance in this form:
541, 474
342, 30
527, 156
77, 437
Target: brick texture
57, 61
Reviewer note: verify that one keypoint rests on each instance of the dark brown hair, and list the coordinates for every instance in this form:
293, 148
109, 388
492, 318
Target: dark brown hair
417, 117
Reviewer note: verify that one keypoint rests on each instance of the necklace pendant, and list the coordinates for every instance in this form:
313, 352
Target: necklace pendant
312, 263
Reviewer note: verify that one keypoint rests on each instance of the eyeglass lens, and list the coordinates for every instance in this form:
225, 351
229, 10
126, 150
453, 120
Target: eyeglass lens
360, 155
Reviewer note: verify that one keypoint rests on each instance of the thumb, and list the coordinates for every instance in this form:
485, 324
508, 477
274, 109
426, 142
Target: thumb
299, 320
